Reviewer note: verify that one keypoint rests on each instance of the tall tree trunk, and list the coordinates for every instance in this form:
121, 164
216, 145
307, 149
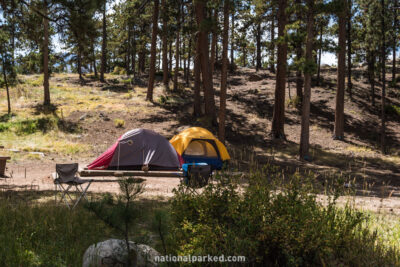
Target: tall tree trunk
197, 80
133, 53
339, 111
165, 45
153, 51
272, 48
371, 74
278, 120
104, 45
258, 42
224, 74
305, 115
209, 100
185, 72
299, 55
94, 61
319, 56
170, 56
128, 52
79, 58
395, 40
349, 84
177, 43
232, 42
189, 58
6, 84
214, 40
383, 60
46, 86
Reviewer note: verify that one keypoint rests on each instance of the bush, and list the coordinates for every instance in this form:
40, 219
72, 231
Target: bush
119, 123
273, 224
44, 125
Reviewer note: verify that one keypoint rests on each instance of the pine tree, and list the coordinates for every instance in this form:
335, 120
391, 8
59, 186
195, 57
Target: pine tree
280, 87
150, 87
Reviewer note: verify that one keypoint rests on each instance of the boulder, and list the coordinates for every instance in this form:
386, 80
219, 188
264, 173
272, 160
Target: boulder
113, 253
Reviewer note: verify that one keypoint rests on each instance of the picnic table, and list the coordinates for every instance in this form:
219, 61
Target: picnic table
3, 161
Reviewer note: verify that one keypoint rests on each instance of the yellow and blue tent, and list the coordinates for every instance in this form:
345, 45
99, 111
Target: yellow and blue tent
198, 145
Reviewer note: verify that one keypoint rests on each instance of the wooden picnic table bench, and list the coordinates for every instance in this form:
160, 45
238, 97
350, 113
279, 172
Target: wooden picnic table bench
3, 161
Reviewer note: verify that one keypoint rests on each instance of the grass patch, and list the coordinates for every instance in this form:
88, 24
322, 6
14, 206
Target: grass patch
46, 235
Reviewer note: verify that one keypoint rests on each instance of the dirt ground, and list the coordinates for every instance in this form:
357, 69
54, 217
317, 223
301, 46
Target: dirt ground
249, 113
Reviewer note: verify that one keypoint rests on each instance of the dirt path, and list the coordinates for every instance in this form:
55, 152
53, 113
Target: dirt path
36, 177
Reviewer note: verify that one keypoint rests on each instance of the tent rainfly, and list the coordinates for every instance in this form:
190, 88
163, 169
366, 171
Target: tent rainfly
139, 149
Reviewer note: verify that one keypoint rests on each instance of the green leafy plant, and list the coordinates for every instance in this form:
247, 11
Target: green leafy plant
275, 220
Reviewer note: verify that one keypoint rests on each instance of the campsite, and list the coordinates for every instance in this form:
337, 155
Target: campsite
204, 133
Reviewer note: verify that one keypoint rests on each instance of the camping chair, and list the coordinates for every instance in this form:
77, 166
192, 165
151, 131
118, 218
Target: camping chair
66, 179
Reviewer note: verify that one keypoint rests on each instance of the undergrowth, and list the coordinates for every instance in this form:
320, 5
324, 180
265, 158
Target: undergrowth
275, 220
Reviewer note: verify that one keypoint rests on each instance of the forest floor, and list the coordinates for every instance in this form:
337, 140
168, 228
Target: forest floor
86, 118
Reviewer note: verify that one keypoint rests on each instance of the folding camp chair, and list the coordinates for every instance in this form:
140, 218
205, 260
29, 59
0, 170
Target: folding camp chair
66, 179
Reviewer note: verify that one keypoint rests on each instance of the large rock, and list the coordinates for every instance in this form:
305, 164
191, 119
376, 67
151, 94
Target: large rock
113, 253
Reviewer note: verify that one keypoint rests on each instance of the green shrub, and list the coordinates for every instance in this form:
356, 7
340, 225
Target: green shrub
119, 123
273, 223
46, 234
44, 125
4, 127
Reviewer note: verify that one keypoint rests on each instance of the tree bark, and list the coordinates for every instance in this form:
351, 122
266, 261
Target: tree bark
46, 86
6, 84
214, 39
371, 74
258, 42
209, 100
104, 45
197, 81
224, 73
272, 48
177, 43
299, 55
349, 84
94, 62
189, 57
232, 42
319, 56
133, 53
395, 26
383, 60
79, 58
339, 111
153, 55
305, 115
128, 52
278, 120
